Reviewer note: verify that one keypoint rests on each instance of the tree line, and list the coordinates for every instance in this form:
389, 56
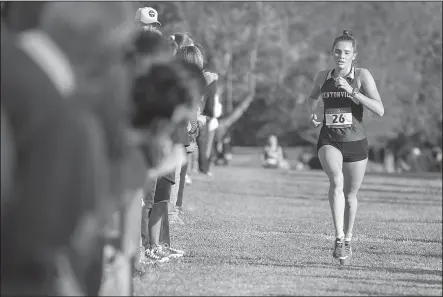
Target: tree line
267, 54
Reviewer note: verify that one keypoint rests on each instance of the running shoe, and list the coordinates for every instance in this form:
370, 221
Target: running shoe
339, 249
207, 173
180, 209
188, 180
175, 219
348, 248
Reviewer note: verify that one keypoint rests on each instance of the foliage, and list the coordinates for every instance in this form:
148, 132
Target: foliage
399, 42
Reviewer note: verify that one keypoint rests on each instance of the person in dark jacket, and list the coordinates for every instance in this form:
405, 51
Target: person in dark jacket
65, 142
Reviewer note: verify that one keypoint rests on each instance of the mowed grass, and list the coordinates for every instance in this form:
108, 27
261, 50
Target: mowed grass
251, 231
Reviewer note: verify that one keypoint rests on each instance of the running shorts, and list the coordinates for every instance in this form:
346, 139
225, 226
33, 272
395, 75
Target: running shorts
352, 151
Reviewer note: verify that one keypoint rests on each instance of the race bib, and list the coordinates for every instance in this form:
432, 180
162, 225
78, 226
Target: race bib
338, 117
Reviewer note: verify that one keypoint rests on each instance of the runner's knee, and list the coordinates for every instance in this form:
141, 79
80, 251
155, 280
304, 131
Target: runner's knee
351, 197
336, 182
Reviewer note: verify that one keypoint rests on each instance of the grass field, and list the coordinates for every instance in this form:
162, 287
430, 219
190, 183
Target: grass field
250, 231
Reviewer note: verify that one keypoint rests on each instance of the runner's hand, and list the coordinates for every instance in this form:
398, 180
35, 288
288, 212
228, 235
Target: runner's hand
314, 121
343, 84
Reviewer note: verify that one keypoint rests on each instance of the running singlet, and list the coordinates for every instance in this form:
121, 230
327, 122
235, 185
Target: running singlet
343, 118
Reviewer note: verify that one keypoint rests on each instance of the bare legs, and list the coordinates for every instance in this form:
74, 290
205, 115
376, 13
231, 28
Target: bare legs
344, 182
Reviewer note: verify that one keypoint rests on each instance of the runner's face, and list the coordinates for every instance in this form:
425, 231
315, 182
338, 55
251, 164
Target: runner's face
343, 54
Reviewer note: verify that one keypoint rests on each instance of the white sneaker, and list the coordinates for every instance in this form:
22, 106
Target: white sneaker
188, 180
155, 255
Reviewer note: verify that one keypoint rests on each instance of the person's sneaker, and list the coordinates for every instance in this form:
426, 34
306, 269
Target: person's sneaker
188, 180
339, 249
207, 173
348, 248
173, 253
175, 219
180, 209
156, 255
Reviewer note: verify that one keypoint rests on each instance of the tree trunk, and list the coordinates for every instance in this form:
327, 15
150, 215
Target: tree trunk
229, 102
240, 109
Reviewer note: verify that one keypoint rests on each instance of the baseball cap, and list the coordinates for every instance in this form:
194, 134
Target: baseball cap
147, 15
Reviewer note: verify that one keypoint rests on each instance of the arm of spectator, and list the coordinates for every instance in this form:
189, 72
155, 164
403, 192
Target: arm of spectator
170, 162
209, 98
218, 107
193, 126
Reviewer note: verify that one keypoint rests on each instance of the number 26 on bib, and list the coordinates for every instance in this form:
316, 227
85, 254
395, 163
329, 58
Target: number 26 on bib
338, 117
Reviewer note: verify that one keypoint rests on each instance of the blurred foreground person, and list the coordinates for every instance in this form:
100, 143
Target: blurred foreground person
52, 148
149, 48
8, 161
273, 155
68, 125
104, 77
19, 16
153, 49
164, 100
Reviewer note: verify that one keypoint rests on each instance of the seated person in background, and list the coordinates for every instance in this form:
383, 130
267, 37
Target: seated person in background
273, 156
222, 149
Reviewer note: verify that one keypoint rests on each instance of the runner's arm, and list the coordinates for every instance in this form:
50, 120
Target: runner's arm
372, 101
315, 93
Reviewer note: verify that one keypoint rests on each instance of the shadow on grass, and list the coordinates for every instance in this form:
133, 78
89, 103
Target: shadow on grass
419, 240
425, 255
335, 265
249, 163
414, 175
412, 282
361, 292
414, 271
408, 192
371, 200
404, 221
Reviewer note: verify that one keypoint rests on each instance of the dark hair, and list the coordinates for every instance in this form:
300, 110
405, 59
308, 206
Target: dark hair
149, 42
194, 76
202, 50
146, 43
191, 54
346, 36
165, 86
